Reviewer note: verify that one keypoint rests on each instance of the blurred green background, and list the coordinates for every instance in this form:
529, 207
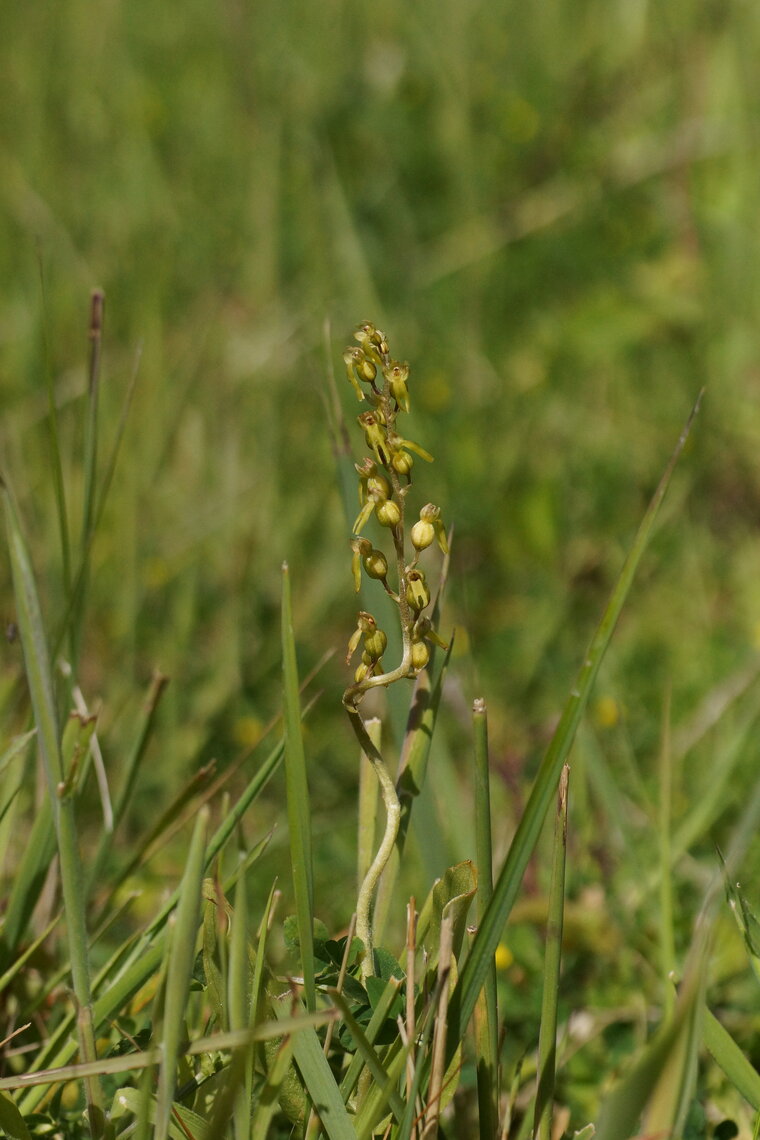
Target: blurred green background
551, 210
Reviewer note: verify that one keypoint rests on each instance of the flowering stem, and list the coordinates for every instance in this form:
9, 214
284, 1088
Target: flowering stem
381, 493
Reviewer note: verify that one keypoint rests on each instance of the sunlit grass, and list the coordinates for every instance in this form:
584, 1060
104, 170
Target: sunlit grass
554, 213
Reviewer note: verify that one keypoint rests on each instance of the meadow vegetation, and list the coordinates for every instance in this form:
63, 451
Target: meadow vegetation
550, 210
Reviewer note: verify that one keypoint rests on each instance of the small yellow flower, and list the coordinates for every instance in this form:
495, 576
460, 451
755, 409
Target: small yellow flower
503, 958
606, 712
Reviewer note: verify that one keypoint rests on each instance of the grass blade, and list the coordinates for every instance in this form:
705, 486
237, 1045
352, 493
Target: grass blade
488, 1023
299, 822
547, 1040
508, 883
181, 954
368, 1054
157, 687
319, 1081
731, 1059
39, 677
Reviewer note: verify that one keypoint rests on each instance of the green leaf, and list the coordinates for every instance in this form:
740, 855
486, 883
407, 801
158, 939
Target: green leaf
11, 1120
452, 894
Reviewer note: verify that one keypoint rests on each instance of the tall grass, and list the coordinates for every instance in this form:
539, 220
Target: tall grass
192, 1019
552, 209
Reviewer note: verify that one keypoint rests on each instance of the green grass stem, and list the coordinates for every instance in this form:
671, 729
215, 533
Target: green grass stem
488, 1024
297, 789
547, 1039
179, 966
664, 825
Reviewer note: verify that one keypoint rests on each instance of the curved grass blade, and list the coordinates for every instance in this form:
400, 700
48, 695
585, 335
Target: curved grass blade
508, 883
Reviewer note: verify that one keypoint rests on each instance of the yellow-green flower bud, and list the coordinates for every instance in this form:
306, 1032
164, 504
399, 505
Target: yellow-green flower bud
417, 592
388, 513
367, 370
420, 655
422, 535
375, 644
397, 376
361, 674
428, 528
402, 462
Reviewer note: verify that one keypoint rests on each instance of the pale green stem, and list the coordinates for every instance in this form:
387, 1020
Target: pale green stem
392, 819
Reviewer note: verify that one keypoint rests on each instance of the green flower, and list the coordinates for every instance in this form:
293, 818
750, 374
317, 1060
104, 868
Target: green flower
371, 481
374, 562
357, 366
423, 629
417, 592
375, 640
397, 375
376, 435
